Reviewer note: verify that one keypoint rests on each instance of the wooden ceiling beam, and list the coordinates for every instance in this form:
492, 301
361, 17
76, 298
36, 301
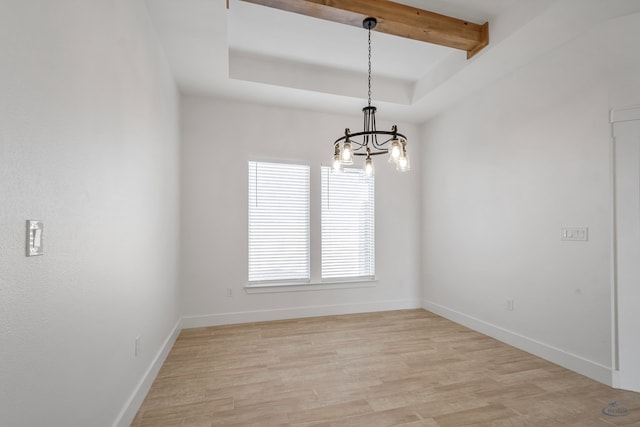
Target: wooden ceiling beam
393, 18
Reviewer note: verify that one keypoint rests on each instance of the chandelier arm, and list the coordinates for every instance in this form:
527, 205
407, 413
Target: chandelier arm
374, 140
356, 145
365, 125
373, 153
380, 146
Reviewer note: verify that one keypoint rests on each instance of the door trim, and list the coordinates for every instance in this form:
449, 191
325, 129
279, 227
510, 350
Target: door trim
617, 115
625, 114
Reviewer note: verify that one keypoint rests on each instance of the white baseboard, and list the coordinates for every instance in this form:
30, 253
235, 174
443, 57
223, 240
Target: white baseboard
615, 379
555, 355
295, 313
128, 413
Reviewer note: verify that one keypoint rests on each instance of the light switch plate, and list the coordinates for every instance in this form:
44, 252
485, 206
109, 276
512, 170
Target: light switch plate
575, 233
35, 229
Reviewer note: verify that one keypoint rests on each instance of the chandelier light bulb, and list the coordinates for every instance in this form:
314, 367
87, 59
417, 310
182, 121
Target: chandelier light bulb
347, 153
368, 166
403, 163
395, 150
336, 163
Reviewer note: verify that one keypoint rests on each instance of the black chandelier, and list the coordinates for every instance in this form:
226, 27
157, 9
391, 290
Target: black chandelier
366, 143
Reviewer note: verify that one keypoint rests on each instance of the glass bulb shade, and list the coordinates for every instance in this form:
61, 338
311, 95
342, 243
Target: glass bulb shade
368, 167
403, 164
395, 151
336, 163
347, 154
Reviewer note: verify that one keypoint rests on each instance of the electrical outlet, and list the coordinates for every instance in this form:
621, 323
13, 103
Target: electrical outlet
574, 233
137, 346
229, 292
509, 304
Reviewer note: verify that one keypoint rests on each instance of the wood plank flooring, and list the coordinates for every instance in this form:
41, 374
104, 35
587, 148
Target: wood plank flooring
400, 368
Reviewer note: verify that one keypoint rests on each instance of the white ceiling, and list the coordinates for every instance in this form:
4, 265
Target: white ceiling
264, 55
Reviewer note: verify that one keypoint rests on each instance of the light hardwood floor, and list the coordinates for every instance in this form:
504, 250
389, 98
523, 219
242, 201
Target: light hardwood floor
408, 368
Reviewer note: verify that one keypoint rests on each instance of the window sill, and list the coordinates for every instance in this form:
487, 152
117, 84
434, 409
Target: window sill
312, 286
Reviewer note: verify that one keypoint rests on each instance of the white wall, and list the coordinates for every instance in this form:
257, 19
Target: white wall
503, 171
218, 138
89, 145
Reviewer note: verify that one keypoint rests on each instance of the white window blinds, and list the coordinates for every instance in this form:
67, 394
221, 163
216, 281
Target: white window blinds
278, 222
348, 226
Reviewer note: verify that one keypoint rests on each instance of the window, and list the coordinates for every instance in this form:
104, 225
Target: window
278, 222
348, 227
